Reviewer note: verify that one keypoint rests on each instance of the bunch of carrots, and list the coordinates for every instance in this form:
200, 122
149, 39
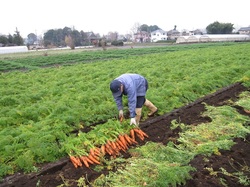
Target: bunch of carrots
112, 148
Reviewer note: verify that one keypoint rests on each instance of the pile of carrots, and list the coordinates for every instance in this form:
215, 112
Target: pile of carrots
112, 148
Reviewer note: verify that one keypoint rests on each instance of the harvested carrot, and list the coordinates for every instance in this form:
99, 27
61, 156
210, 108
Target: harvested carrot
78, 161
92, 158
103, 149
123, 140
112, 150
108, 149
74, 161
84, 160
140, 136
130, 140
132, 134
97, 151
143, 133
88, 160
139, 133
114, 145
92, 151
118, 145
109, 143
122, 147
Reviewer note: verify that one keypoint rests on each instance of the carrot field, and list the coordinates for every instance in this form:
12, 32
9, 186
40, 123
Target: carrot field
48, 101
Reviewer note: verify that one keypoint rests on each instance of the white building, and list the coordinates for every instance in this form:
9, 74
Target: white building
158, 35
244, 30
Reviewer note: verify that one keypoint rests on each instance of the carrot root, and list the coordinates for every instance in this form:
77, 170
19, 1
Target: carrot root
84, 160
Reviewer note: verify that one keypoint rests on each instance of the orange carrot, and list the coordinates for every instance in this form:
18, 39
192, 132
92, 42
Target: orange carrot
114, 145
92, 158
111, 149
84, 160
123, 140
88, 160
122, 147
78, 161
139, 133
110, 144
140, 136
97, 151
91, 151
108, 149
143, 133
132, 134
103, 149
130, 139
74, 161
118, 145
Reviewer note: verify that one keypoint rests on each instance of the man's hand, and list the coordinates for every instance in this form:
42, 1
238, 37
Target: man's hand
121, 114
132, 121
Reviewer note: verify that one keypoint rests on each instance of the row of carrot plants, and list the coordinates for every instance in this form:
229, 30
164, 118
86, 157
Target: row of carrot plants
34, 60
40, 109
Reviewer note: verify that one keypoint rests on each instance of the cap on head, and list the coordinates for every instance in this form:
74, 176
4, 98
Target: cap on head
115, 87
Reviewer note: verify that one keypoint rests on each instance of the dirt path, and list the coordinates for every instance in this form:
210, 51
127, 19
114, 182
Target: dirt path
158, 129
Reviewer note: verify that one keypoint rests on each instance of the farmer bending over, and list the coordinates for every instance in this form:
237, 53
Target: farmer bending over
134, 86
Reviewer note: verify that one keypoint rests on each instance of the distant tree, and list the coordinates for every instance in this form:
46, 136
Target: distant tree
220, 28
49, 37
76, 35
54, 38
32, 38
153, 28
57, 37
70, 42
136, 28
146, 28
3, 40
10, 39
66, 31
84, 38
17, 39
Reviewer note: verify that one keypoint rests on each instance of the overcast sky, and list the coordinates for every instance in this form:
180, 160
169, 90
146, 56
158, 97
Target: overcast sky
103, 16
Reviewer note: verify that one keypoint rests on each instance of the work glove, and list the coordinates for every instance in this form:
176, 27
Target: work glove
121, 114
132, 121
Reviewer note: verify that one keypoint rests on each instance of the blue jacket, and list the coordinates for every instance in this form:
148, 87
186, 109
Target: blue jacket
133, 85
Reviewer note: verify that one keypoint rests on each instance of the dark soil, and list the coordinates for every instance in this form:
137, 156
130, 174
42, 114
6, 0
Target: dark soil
158, 129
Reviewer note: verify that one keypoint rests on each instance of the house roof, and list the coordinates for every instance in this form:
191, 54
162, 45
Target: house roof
244, 29
173, 31
159, 30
